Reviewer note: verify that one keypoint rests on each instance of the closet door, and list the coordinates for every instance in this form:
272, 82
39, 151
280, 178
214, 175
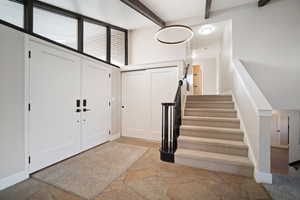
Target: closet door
54, 124
135, 101
142, 95
163, 87
96, 109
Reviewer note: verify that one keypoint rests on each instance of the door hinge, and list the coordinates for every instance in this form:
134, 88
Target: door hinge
29, 159
109, 75
29, 107
29, 54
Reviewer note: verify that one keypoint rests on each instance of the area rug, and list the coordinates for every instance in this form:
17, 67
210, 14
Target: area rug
89, 173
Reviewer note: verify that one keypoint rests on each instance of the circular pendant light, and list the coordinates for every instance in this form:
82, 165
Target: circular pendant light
174, 34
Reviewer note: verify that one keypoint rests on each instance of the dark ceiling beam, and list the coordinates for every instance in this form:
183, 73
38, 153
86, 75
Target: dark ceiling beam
207, 8
142, 9
262, 3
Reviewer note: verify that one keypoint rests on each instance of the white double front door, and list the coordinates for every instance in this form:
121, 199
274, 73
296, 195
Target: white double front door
69, 105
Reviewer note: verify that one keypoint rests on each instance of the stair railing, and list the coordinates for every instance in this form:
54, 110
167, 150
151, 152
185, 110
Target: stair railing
171, 122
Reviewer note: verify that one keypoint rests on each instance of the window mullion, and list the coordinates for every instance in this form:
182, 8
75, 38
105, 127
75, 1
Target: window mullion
28, 16
108, 44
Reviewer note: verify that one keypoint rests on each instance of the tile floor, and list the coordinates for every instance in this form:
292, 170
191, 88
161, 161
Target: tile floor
150, 179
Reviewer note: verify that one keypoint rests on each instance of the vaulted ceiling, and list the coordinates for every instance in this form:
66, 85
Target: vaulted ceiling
119, 14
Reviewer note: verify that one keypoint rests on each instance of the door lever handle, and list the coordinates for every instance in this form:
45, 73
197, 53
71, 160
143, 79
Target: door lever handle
78, 110
86, 110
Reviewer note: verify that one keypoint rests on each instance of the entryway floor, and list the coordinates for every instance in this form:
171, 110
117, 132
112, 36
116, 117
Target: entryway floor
146, 179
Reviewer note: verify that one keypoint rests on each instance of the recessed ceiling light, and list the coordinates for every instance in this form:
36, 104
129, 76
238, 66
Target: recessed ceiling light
206, 29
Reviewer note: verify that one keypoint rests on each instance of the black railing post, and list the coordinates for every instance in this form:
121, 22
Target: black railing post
171, 122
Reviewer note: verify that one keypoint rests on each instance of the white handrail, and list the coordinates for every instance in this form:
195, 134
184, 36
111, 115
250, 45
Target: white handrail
259, 101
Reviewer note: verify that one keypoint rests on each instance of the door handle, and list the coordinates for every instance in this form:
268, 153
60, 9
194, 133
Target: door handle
78, 110
86, 110
78, 103
84, 103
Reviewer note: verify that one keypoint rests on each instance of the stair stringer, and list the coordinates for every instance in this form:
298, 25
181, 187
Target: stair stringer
260, 177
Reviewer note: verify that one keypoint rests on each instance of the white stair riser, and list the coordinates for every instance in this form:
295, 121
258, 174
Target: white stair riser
210, 105
214, 135
209, 114
215, 166
211, 123
229, 150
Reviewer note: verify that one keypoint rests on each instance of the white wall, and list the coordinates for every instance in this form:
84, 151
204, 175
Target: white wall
226, 58
143, 48
267, 41
12, 145
209, 70
208, 58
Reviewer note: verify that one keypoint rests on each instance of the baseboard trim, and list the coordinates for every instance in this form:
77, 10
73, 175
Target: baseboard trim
262, 177
13, 179
115, 136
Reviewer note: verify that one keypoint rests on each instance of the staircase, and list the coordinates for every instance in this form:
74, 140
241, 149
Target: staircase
210, 136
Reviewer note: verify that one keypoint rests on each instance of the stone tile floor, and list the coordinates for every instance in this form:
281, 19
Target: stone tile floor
150, 179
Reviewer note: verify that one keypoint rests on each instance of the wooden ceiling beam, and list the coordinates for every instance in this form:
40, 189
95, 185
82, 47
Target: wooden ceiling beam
142, 9
207, 8
262, 3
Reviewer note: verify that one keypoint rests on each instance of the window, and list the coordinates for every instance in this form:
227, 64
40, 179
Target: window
117, 47
56, 27
12, 12
94, 42
60, 26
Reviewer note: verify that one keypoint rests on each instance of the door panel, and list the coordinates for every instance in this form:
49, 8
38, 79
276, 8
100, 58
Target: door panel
54, 126
294, 136
135, 114
142, 95
161, 93
96, 92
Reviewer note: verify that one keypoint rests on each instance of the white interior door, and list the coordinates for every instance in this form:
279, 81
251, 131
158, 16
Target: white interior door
142, 95
96, 94
163, 83
294, 136
135, 98
54, 124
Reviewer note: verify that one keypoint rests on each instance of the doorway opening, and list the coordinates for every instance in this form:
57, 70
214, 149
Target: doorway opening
197, 80
285, 143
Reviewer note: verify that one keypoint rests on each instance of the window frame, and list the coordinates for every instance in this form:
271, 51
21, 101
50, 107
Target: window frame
28, 27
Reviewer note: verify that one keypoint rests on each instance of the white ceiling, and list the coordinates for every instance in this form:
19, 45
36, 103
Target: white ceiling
111, 11
171, 10
225, 4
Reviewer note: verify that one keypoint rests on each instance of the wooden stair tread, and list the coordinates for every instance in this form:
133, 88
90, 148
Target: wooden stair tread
212, 129
208, 102
214, 119
214, 157
213, 95
211, 110
212, 141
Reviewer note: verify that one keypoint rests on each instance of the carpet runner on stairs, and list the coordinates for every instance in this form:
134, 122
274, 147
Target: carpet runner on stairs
210, 136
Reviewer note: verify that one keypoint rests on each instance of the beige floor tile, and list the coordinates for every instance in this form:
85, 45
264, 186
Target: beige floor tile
148, 178
35, 190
